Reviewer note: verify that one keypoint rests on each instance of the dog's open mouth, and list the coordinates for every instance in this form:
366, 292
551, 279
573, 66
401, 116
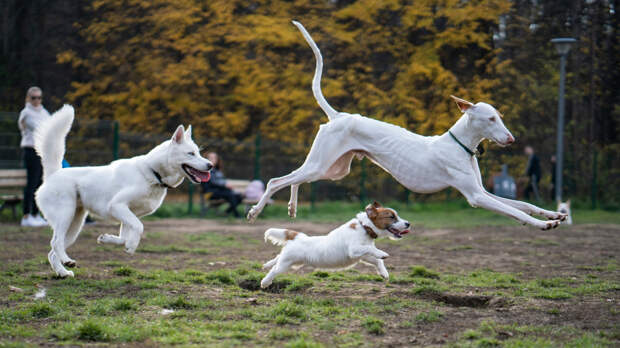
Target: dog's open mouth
196, 175
396, 232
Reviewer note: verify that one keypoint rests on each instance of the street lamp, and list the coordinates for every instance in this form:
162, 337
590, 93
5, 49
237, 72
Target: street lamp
563, 45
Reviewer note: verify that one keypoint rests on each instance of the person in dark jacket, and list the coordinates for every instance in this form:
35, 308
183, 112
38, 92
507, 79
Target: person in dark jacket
217, 185
533, 172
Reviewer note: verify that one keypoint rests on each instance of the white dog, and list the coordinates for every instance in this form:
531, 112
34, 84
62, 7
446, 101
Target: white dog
564, 208
422, 164
341, 248
121, 191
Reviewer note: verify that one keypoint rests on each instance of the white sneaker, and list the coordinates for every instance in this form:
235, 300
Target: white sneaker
40, 221
28, 221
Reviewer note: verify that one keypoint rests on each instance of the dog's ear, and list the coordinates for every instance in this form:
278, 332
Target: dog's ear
188, 132
371, 211
376, 204
462, 103
178, 135
568, 202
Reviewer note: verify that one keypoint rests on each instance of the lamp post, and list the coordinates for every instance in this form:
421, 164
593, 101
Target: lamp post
563, 45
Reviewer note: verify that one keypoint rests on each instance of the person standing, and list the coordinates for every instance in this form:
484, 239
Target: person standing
533, 172
30, 118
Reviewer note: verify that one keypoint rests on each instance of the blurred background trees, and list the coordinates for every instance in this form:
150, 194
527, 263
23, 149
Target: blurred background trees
236, 67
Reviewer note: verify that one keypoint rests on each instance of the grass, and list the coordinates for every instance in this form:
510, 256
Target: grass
176, 293
429, 214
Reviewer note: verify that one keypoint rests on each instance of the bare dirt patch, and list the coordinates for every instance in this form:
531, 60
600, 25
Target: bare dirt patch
433, 317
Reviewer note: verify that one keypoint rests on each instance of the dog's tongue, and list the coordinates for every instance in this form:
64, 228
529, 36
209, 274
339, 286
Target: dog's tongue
203, 176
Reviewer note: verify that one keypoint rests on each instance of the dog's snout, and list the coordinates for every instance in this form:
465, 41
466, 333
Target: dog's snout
209, 166
407, 224
511, 139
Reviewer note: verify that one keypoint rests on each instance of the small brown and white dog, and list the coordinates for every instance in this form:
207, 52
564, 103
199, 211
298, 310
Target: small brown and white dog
341, 248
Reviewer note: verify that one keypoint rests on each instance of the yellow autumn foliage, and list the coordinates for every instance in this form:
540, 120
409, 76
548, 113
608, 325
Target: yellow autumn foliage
234, 67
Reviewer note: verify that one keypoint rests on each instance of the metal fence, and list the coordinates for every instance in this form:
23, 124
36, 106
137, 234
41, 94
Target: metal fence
97, 142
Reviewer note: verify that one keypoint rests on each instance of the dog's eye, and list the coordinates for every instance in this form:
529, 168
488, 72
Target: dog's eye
191, 153
492, 119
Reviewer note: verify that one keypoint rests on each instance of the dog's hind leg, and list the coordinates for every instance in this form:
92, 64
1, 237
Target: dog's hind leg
74, 231
292, 203
327, 149
58, 256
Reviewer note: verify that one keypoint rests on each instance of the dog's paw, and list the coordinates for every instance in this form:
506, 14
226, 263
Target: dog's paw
65, 274
130, 250
550, 224
252, 214
382, 255
102, 238
70, 263
292, 210
264, 284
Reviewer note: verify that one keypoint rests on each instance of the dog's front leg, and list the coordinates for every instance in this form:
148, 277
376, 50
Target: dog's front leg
477, 197
378, 264
359, 251
523, 206
130, 231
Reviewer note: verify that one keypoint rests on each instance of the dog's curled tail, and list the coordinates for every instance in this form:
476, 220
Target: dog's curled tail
316, 81
279, 236
49, 139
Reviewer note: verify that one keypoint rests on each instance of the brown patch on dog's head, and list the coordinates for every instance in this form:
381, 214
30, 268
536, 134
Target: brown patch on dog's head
381, 217
353, 225
290, 234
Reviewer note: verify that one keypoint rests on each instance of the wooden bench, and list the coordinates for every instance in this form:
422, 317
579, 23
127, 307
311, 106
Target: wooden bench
236, 185
12, 183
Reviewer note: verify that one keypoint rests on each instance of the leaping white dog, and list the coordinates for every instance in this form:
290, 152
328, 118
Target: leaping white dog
422, 164
121, 191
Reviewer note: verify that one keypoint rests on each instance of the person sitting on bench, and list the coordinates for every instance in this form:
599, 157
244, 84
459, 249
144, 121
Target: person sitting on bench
218, 187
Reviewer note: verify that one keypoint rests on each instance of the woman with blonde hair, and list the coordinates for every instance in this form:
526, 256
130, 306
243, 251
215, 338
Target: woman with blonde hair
29, 119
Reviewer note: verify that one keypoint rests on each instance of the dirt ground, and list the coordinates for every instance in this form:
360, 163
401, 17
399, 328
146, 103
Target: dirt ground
569, 252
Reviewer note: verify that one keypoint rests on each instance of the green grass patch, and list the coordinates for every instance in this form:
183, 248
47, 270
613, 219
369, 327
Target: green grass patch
374, 325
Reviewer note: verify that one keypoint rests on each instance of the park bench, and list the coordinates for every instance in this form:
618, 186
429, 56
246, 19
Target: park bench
237, 185
12, 183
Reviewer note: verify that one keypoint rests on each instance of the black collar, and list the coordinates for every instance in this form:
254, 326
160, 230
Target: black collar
161, 183
479, 148
371, 233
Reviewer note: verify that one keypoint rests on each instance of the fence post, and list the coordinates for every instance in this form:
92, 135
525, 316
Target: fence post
593, 185
115, 141
313, 196
363, 182
190, 198
257, 157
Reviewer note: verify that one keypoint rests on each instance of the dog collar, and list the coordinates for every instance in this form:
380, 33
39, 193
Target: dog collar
479, 148
371, 233
161, 182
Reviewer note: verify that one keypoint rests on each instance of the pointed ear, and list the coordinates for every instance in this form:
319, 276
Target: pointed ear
376, 204
188, 132
178, 135
568, 202
462, 103
371, 211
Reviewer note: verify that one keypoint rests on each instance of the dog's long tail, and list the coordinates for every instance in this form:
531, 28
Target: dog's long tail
49, 139
316, 81
279, 236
